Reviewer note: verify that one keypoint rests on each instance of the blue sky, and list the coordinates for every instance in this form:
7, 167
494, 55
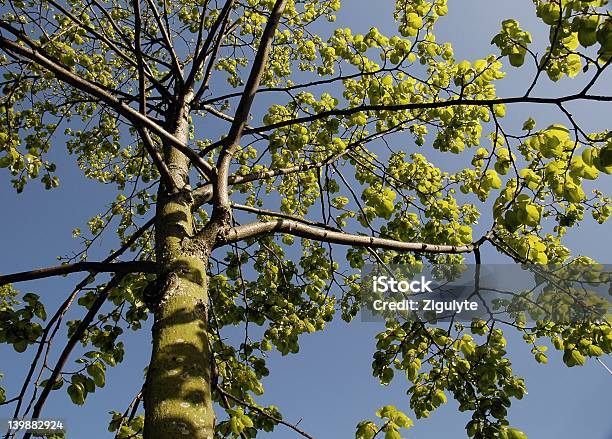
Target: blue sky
329, 383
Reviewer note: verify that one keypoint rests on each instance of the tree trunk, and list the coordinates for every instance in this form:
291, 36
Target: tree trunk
177, 395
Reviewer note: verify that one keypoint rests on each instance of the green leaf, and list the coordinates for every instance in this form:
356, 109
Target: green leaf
392, 434
20, 346
541, 358
578, 357
438, 398
39, 310
31, 298
366, 430
513, 433
529, 124
76, 393
96, 371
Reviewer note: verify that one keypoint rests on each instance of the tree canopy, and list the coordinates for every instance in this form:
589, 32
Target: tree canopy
259, 163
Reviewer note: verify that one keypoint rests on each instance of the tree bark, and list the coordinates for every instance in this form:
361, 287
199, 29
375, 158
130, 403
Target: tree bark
177, 395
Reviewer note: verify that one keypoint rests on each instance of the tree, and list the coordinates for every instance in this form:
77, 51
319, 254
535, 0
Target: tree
137, 88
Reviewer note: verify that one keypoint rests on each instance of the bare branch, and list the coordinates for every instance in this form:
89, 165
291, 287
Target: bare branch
204, 194
428, 105
266, 212
288, 89
159, 162
98, 267
130, 412
213, 56
301, 230
542, 66
167, 40
221, 115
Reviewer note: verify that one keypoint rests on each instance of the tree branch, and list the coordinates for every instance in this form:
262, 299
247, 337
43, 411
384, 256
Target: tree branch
167, 179
130, 412
94, 90
263, 412
429, 105
201, 56
76, 337
287, 89
167, 40
221, 115
344, 112
296, 228
204, 193
64, 308
244, 106
158, 86
111, 21
213, 56
266, 212
98, 267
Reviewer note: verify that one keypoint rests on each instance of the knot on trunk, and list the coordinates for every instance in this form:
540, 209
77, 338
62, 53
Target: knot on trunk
153, 293
222, 218
183, 195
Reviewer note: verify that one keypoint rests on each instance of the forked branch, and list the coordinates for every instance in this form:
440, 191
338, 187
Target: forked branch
244, 106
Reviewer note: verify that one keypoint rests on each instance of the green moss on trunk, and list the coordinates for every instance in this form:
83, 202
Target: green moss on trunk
177, 396
178, 393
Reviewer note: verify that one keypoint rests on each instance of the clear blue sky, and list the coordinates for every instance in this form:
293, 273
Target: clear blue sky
329, 383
